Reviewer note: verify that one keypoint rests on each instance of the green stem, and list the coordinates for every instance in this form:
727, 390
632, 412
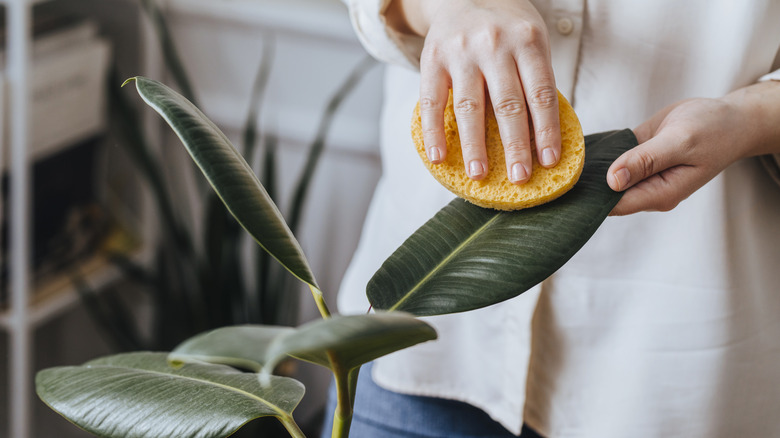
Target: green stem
342, 418
320, 300
352, 384
341, 426
291, 426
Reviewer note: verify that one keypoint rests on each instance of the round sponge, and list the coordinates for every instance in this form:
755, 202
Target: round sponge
495, 190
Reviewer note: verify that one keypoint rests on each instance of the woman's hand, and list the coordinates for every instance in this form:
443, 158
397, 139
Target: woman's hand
687, 144
498, 49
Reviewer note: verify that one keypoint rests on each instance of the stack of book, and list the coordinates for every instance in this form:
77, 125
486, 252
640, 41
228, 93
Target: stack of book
67, 120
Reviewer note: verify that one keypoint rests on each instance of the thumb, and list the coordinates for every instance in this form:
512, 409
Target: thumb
649, 158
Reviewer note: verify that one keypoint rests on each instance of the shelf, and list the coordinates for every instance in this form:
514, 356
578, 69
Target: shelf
58, 293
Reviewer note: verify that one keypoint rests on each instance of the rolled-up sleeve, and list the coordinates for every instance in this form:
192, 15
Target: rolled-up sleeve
379, 39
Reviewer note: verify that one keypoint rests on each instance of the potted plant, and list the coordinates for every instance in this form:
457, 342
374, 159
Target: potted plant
214, 383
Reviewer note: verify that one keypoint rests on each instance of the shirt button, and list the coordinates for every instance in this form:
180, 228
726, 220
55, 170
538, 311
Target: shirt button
565, 26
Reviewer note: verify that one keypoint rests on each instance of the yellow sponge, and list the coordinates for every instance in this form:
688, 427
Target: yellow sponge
495, 190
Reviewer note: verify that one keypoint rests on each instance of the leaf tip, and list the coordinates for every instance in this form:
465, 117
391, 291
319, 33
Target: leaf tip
127, 81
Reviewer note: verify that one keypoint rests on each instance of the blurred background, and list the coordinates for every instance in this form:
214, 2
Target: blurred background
111, 239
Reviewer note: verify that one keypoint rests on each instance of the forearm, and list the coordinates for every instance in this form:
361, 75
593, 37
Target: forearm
761, 104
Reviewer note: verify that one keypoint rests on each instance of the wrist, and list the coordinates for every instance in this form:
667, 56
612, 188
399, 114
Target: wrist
760, 104
411, 17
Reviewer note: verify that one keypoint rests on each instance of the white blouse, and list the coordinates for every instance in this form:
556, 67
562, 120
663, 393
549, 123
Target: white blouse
664, 324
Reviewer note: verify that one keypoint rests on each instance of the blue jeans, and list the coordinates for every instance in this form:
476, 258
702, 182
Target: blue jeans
380, 413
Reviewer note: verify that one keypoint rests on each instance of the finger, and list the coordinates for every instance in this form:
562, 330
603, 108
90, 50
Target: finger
468, 94
660, 192
434, 93
649, 158
506, 95
541, 95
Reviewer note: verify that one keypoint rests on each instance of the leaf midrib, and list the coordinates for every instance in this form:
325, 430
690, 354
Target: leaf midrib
443, 262
275, 408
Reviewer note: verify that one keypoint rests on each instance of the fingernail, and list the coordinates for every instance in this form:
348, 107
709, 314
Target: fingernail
476, 169
548, 157
434, 154
519, 173
622, 177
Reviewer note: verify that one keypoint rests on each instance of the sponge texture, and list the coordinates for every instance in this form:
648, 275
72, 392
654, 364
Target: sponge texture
495, 190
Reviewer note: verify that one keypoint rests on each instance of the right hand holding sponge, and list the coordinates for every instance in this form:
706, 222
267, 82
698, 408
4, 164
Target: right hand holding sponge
495, 190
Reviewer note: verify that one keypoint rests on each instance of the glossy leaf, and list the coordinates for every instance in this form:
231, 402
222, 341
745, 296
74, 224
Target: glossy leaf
139, 395
243, 346
352, 340
126, 120
230, 176
467, 257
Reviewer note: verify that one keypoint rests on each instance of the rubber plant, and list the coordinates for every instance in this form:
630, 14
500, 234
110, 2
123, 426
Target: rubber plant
214, 383
199, 279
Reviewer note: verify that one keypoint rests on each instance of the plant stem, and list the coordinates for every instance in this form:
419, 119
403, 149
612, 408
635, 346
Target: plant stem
320, 300
341, 426
291, 426
352, 382
342, 418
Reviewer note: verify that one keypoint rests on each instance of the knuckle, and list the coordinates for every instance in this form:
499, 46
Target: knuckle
533, 35
546, 132
509, 107
470, 149
460, 41
428, 103
489, 38
543, 97
645, 161
516, 148
430, 132
466, 106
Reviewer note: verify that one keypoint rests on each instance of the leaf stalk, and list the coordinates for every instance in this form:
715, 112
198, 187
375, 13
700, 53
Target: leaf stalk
291, 426
320, 301
342, 417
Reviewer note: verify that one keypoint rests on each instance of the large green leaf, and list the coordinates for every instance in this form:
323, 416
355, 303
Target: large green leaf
230, 175
467, 257
139, 395
353, 339
243, 346
350, 340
